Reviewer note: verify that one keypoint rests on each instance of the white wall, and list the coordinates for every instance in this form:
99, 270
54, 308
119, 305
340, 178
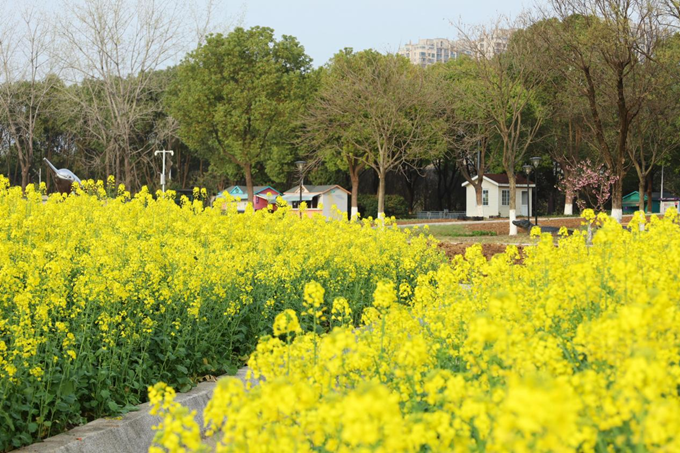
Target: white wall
335, 197
504, 211
495, 209
494, 199
471, 200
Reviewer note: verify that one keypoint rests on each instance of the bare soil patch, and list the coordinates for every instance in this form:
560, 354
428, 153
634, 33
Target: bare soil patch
489, 250
503, 228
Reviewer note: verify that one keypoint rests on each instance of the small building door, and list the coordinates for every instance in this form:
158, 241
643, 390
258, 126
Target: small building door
524, 209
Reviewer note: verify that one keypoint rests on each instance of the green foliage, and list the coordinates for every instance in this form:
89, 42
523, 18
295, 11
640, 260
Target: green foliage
237, 96
395, 205
457, 231
151, 291
372, 110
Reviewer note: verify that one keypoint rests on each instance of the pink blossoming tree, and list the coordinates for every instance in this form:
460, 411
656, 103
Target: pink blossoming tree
591, 183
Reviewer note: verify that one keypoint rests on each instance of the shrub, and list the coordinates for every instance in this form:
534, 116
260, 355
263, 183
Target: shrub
395, 205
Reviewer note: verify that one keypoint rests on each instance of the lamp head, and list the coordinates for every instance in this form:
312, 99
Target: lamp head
300, 164
527, 168
557, 169
535, 161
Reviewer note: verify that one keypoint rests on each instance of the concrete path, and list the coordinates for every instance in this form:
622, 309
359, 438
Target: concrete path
477, 222
131, 433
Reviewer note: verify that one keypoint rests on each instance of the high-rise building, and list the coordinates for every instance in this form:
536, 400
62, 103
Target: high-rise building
493, 42
429, 51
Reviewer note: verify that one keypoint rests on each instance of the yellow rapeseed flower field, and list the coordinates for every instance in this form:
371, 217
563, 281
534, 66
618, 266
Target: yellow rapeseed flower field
575, 349
103, 294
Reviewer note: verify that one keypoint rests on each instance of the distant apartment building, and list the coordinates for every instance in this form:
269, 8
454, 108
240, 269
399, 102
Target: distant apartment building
430, 51
439, 50
493, 43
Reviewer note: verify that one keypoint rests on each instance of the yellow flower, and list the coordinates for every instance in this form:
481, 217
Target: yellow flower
384, 295
286, 322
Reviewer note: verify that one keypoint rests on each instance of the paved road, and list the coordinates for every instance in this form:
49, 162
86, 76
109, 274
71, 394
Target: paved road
477, 222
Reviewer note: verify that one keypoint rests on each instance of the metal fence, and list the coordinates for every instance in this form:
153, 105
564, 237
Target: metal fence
429, 215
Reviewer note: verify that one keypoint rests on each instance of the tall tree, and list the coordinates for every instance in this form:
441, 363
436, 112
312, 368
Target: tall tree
468, 128
112, 50
380, 108
27, 81
325, 128
510, 82
656, 132
605, 50
569, 140
238, 96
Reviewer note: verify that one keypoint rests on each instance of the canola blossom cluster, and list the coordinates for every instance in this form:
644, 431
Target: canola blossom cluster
103, 294
577, 348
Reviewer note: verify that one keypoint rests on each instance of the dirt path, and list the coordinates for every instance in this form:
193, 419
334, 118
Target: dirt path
488, 249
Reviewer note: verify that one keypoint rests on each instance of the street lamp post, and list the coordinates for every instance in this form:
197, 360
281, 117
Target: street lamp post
527, 170
535, 161
163, 152
300, 164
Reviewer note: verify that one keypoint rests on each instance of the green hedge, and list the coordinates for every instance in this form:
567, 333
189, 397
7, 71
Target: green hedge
395, 205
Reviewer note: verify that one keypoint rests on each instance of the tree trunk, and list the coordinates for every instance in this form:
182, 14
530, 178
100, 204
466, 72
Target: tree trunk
107, 164
24, 158
512, 213
650, 201
641, 194
568, 203
354, 176
381, 195
617, 198
16, 171
128, 171
186, 172
117, 166
439, 191
24, 175
247, 170
479, 195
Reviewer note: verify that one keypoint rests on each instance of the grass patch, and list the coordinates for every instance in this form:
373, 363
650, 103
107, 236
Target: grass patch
457, 231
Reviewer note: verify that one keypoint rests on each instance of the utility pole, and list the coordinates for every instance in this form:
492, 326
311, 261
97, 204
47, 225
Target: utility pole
164, 152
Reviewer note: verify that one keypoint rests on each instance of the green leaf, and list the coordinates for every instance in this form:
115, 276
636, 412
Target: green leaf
113, 406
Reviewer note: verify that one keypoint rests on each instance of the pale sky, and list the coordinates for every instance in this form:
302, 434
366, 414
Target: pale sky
323, 26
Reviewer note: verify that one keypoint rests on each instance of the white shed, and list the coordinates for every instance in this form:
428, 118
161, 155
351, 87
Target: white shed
496, 196
316, 196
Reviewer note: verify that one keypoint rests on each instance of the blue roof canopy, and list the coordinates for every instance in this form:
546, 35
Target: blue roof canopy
296, 197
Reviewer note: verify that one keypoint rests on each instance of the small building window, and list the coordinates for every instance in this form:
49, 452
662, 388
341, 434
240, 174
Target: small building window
505, 197
485, 197
525, 198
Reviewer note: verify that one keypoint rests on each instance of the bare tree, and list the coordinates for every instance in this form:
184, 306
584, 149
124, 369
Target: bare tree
113, 50
508, 77
606, 50
653, 137
325, 125
569, 140
381, 108
27, 80
467, 128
